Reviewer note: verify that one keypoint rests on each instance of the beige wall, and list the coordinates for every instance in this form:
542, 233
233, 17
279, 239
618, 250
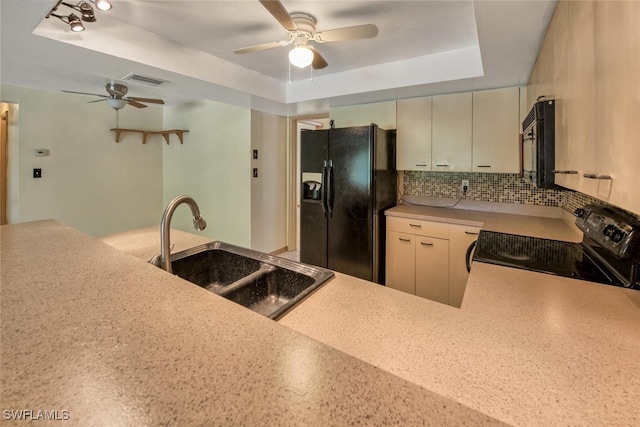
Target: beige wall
268, 190
88, 181
381, 113
213, 166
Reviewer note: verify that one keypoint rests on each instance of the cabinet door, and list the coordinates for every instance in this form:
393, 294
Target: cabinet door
577, 152
413, 138
496, 136
617, 43
461, 236
432, 269
401, 265
451, 132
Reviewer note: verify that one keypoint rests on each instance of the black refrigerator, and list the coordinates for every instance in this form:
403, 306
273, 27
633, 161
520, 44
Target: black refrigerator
348, 180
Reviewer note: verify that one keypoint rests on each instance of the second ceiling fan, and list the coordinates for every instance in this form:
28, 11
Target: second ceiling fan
116, 97
301, 29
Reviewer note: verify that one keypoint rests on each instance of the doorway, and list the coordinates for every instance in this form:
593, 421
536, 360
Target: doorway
310, 122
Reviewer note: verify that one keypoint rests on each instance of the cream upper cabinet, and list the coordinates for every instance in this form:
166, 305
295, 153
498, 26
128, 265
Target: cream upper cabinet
451, 132
617, 103
589, 62
496, 136
575, 150
382, 114
413, 138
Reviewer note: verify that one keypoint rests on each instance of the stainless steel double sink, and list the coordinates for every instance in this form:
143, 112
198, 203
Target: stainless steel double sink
266, 284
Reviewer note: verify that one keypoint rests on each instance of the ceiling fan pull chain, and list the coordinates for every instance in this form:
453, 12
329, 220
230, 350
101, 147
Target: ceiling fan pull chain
117, 119
289, 72
311, 74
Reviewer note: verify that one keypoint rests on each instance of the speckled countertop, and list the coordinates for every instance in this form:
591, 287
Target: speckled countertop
104, 338
558, 227
527, 348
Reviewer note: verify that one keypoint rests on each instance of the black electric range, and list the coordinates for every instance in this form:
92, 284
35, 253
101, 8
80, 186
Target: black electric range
608, 254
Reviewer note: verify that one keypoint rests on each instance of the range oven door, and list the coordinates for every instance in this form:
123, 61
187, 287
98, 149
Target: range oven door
469, 255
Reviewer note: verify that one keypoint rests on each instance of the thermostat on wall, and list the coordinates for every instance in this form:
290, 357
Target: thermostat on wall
41, 152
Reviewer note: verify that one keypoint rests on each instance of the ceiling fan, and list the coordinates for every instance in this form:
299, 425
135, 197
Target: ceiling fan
116, 98
301, 29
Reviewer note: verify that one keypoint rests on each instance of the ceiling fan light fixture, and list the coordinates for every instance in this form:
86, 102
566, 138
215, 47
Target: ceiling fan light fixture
86, 11
116, 103
301, 56
103, 5
75, 23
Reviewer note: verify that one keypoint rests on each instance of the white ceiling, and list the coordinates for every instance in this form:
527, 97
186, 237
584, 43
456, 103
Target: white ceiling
423, 47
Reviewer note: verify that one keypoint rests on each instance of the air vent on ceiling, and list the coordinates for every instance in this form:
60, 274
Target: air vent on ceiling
133, 77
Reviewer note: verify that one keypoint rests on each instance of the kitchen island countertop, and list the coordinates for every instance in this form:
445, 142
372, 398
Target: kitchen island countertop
99, 337
95, 337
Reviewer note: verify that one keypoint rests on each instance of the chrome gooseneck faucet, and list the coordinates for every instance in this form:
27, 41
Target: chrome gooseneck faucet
198, 222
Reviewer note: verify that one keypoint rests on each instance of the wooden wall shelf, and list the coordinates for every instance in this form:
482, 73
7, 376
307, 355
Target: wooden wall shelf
165, 133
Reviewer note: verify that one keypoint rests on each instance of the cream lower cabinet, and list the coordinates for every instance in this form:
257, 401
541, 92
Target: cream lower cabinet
417, 258
461, 236
401, 262
432, 272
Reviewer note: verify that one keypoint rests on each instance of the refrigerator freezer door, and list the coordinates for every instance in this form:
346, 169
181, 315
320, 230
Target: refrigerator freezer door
350, 229
313, 223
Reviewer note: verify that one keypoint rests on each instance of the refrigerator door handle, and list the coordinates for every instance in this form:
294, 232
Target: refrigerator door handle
323, 199
330, 189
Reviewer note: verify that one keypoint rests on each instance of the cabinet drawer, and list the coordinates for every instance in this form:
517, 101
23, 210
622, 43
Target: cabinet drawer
418, 227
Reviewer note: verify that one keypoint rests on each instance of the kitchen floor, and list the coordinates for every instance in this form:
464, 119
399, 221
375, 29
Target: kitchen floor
292, 255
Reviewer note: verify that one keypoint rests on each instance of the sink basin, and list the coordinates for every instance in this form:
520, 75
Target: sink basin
264, 283
213, 268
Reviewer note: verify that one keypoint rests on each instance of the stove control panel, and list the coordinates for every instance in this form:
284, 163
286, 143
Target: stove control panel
615, 231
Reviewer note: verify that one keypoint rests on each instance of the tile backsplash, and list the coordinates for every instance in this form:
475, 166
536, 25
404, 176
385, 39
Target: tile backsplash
493, 187
486, 187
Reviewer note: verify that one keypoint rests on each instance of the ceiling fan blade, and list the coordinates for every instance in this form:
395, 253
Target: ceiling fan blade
278, 11
365, 31
85, 93
135, 104
318, 61
263, 46
149, 100
97, 100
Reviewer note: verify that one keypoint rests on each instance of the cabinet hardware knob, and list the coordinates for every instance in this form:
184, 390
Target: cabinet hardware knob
561, 172
440, 165
416, 225
404, 239
471, 233
421, 164
426, 243
597, 176
484, 166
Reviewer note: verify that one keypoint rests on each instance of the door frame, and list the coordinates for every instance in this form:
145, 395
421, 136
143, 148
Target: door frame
4, 163
292, 179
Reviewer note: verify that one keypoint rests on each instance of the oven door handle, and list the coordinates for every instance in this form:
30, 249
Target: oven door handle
467, 257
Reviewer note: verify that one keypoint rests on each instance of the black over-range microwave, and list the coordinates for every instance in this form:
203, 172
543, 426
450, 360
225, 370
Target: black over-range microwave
538, 145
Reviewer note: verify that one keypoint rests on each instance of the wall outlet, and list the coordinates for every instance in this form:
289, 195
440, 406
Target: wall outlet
465, 186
